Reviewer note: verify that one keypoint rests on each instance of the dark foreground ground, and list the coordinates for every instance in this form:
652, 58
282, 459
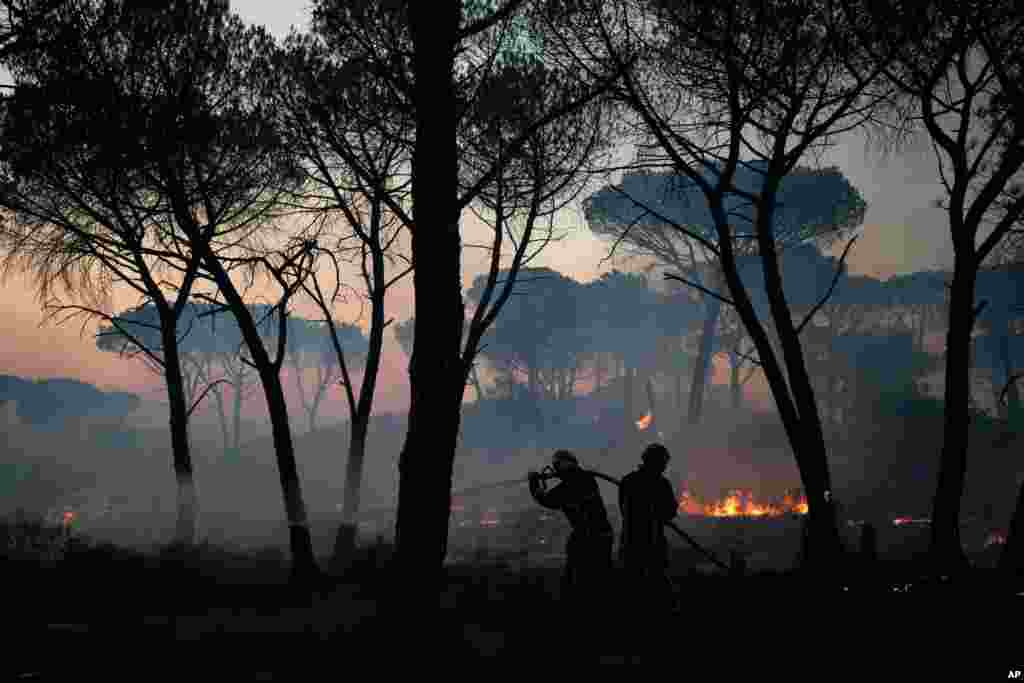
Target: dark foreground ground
102, 613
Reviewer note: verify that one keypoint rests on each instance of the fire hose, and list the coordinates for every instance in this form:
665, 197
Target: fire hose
549, 473
670, 524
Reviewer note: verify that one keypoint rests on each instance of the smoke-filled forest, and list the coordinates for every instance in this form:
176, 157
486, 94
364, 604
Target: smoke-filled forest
724, 422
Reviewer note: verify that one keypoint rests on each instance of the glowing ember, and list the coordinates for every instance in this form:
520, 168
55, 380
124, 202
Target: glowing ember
901, 521
490, 519
645, 421
741, 503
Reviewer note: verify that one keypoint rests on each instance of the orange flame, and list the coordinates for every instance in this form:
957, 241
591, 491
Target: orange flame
741, 503
688, 505
645, 421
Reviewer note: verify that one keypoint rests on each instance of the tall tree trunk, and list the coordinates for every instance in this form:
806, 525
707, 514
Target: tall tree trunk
437, 377
347, 537
946, 549
304, 567
187, 500
712, 309
359, 420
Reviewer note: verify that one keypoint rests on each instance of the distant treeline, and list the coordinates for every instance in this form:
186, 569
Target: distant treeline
50, 402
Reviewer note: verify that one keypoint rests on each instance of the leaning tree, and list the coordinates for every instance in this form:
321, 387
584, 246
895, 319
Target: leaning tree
732, 98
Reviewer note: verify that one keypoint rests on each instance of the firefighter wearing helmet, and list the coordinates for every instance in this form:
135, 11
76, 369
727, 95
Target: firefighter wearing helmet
589, 548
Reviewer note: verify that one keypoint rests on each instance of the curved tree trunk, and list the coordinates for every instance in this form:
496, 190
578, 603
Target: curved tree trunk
795, 399
304, 568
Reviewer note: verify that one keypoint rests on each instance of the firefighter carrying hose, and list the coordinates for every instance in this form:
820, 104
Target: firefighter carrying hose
647, 503
589, 549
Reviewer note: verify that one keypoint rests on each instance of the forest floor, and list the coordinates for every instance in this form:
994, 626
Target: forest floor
108, 612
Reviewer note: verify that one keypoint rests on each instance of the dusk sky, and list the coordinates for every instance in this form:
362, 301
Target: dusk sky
902, 232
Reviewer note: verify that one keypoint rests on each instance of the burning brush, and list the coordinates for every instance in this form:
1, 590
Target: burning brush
741, 503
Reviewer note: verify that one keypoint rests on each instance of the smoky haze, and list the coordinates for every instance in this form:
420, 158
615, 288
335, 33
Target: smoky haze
601, 368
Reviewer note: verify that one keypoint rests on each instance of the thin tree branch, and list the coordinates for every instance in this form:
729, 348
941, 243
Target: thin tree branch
203, 395
835, 279
670, 276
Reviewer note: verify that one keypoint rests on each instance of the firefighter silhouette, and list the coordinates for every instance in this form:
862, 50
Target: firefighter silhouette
589, 548
647, 503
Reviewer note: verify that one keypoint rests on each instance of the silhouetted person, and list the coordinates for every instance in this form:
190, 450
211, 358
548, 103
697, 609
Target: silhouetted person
589, 549
647, 503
